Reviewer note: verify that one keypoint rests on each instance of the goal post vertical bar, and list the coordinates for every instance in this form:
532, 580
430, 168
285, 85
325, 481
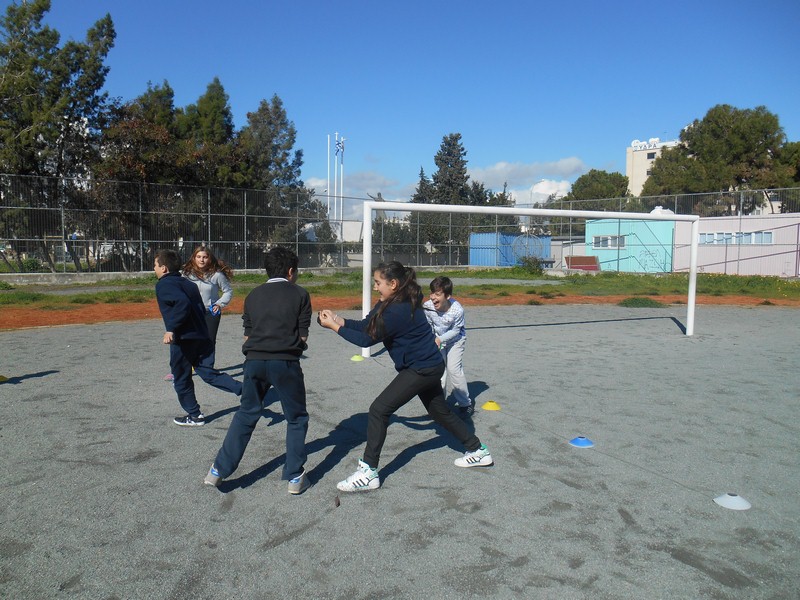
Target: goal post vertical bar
366, 277
690, 303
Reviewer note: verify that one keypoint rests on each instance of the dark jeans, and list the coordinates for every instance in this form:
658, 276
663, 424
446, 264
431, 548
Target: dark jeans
286, 376
212, 322
184, 355
428, 386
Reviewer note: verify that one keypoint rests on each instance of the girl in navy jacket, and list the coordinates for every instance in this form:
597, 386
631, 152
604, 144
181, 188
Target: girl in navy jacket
398, 320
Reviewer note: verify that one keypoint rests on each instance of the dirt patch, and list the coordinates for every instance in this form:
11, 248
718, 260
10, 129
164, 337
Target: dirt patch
18, 318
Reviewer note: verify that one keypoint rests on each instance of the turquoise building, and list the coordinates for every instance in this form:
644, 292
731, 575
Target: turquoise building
631, 246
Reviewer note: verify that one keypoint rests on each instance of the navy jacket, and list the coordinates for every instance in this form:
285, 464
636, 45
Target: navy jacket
407, 336
181, 308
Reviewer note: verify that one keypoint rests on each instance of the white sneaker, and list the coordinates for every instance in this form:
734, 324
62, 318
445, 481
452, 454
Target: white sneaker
363, 480
477, 458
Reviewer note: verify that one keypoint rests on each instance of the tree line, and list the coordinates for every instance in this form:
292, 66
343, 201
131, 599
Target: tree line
56, 121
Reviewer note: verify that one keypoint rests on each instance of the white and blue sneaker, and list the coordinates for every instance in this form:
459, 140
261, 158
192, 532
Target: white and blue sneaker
476, 458
299, 484
363, 480
213, 477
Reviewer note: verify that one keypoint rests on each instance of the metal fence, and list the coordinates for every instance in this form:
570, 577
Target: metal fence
60, 225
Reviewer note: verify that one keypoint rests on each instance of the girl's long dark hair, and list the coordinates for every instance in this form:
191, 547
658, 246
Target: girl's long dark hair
408, 290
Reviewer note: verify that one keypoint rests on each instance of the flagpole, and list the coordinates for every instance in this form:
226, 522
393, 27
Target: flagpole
335, 173
341, 187
328, 180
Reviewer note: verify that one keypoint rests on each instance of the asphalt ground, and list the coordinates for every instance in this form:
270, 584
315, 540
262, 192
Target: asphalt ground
102, 495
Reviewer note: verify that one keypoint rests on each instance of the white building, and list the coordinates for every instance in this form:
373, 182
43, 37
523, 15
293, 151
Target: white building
742, 245
639, 161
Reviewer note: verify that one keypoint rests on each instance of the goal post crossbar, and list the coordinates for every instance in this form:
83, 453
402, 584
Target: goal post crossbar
370, 206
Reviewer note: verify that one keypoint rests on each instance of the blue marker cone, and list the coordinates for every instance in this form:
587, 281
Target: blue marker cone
581, 442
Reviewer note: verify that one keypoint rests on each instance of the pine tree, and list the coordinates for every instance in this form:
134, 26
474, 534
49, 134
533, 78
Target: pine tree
51, 104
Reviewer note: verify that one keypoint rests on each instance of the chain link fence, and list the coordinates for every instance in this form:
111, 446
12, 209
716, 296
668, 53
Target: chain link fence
79, 225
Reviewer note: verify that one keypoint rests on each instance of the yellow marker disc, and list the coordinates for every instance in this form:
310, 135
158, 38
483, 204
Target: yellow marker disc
490, 405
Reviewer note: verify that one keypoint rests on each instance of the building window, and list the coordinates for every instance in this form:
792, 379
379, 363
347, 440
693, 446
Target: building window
742, 238
649, 172
762, 237
651, 156
608, 241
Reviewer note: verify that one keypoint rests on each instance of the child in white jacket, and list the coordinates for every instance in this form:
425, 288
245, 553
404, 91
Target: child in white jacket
446, 316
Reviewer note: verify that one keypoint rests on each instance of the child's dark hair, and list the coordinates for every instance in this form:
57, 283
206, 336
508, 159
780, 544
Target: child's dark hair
442, 284
408, 290
279, 260
169, 259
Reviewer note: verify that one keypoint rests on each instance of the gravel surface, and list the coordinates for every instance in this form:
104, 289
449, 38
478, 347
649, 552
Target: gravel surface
103, 495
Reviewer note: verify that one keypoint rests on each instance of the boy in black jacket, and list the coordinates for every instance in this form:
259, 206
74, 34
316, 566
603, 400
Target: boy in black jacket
187, 335
276, 318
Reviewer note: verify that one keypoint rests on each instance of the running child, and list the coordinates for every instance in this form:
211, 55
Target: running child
398, 320
187, 335
276, 318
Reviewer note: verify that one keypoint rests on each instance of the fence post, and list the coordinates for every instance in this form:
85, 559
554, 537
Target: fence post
496, 243
296, 224
141, 231
208, 200
450, 240
244, 228
63, 234
417, 239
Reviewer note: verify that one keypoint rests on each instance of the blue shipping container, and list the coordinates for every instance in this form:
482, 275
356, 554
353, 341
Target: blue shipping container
505, 249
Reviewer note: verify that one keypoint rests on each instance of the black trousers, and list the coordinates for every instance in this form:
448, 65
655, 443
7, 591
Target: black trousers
408, 383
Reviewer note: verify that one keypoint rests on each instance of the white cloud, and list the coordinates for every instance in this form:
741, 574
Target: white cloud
360, 186
540, 191
527, 183
521, 175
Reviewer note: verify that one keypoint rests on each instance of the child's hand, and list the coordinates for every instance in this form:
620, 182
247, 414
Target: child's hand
168, 337
214, 309
327, 319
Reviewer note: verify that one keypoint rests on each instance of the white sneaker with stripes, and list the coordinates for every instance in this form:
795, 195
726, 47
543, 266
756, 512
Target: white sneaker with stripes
476, 458
363, 480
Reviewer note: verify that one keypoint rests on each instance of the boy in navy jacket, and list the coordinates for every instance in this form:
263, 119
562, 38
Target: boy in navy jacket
187, 335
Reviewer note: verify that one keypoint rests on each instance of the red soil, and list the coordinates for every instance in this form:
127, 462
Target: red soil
17, 318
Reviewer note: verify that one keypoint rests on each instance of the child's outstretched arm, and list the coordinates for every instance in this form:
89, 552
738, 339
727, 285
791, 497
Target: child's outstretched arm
330, 320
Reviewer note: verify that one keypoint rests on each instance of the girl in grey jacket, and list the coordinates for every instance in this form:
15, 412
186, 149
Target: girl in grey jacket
213, 280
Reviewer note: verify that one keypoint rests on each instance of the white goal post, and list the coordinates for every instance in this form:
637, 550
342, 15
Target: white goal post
370, 206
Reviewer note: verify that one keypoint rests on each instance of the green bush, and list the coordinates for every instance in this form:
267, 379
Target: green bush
532, 265
31, 265
641, 302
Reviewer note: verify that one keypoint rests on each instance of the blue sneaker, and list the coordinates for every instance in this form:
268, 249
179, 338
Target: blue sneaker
213, 477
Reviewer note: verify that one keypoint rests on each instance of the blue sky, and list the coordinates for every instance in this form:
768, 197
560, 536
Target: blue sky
540, 92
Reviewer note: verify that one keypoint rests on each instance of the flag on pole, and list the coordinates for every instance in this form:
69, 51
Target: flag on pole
340, 147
